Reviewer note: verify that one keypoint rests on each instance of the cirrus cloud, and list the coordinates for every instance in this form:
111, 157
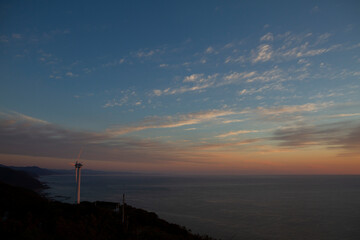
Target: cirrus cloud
172, 121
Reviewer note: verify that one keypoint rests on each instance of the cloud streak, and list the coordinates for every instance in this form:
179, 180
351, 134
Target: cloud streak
172, 121
308, 107
15, 117
343, 135
226, 145
199, 82
234, 133
25, 135
263, 53
284, 47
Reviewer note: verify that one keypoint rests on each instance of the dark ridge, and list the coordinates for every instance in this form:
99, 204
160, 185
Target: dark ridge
89, 172
20, 179
25, 214
34, 171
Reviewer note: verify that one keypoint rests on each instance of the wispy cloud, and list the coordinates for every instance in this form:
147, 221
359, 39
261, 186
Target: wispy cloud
114, 63
266, 87
48, 58
274, 74
210, 50
284, 47
171, 121
146, 53
315, 9
262, 54
236, 76
344, 135
322, 38
117, 102
226, 145
19, 118
304, 51
234, 133
233, 121
141, 54
341, 115
163, 65
238, 59
71, 74
267, 37
329, 94
354, 46
193, 77
198, 83
126, 97
308, 107
180, 90
25, 135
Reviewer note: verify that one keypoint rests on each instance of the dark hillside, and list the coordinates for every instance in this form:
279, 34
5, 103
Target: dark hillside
19, 178
34, 171
26, 215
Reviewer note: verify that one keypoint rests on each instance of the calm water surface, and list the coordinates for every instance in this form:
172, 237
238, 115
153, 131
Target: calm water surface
237, 207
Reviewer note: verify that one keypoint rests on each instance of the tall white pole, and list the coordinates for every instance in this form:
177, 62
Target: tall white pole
123, 209
78, 184
76, 180
78, 177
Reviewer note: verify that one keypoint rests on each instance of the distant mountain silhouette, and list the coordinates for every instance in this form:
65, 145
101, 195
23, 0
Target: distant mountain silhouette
88, 172
19, 178
34, 171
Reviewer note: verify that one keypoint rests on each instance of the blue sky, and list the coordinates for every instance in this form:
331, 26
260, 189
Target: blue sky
239, 86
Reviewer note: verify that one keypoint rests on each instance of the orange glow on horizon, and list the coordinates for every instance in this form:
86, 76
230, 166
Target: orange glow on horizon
315, 161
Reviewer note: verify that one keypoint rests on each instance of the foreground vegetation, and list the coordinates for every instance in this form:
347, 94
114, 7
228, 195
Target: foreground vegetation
24, 214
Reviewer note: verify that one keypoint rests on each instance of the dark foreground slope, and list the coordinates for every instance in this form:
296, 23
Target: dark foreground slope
26, 215
19, 178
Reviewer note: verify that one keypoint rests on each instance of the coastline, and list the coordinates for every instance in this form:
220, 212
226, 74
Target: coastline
227, 206
26, 214
31, 213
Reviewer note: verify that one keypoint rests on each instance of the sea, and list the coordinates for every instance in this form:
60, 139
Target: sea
232, 207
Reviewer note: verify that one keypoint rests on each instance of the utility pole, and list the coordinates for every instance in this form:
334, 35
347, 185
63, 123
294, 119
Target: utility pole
123, 209
78, 178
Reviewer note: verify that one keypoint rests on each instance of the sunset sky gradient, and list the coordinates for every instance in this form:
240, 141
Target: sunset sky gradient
197, 87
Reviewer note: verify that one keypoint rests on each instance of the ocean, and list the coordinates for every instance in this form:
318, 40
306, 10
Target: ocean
233, 207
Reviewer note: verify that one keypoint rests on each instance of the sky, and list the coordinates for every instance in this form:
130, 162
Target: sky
191, 87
